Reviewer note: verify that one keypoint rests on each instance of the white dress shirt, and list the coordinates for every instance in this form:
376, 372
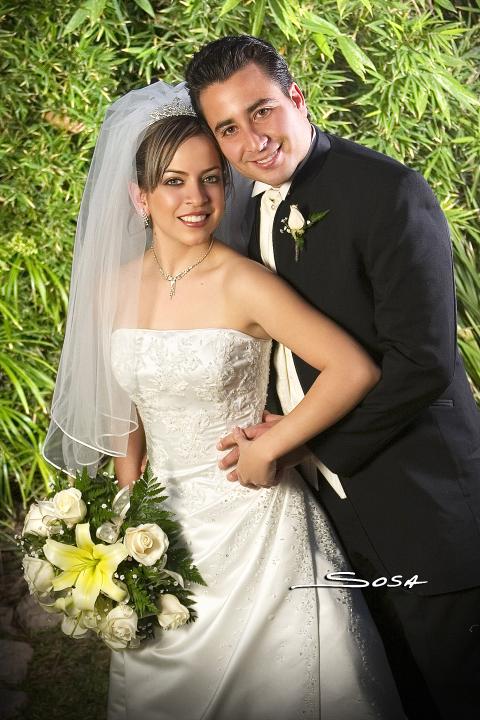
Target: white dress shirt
289, 389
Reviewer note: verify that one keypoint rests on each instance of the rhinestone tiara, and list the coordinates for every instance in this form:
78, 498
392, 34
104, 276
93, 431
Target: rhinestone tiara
176, 107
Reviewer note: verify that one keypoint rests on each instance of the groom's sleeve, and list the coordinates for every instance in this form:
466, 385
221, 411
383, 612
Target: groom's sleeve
408, 260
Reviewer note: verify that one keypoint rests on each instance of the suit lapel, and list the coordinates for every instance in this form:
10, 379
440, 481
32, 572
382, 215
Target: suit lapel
308, 170
303, 192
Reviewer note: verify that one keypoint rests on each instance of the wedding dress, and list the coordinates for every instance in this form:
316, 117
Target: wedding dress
258, 650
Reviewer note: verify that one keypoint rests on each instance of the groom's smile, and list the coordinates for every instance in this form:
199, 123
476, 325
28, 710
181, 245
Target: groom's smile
269, 160
263, 132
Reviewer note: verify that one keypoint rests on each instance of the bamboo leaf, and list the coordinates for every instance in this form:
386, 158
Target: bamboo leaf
7, 369
290, 10
96, 8
354, 56
446, 4
146, 6
460, 92
7, 313
227, 6
258, 16
341, 4
368, 5
421, 99
322, 44
316, 24
77, 19
281, 17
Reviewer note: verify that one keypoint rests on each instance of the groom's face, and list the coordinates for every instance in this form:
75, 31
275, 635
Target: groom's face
263, 133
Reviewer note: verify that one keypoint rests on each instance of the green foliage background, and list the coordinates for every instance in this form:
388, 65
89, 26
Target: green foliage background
400, 76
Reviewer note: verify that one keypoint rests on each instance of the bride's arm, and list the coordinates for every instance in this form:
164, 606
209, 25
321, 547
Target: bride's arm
129, 468
347, 372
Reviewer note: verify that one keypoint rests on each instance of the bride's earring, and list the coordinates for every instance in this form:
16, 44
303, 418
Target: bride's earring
146, 218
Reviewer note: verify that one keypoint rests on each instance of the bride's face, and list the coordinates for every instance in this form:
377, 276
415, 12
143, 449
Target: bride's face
188, 203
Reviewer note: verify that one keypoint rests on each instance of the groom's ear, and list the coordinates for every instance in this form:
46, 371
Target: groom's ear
298, 98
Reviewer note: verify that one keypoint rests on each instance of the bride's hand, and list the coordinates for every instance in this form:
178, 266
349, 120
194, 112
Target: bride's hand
291, 459
253, 469
253, 431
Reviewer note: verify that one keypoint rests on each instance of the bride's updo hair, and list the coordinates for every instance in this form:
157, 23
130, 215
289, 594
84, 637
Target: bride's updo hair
161, 142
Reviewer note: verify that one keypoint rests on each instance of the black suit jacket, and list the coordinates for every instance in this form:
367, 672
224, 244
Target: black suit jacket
380, 265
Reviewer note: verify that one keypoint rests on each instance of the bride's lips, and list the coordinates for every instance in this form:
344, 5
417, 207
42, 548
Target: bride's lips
269, 160
195, 220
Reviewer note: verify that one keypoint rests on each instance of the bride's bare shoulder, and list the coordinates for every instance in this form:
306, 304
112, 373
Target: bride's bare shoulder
236, 265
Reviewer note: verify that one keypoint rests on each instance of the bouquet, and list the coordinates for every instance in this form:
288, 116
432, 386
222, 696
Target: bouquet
108, 559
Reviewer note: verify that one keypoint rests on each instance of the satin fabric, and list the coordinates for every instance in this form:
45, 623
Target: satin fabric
258, 650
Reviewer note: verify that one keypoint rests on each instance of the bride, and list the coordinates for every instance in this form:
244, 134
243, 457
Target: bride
166, 350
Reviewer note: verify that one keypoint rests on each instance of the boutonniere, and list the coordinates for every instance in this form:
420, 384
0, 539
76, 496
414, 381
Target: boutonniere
296, 226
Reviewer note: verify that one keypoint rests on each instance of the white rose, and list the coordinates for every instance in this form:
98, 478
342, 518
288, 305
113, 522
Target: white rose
49, 517
172, 612
119, 628
69, 506
146, 543
296, 221
39, 575
34, 523
73, 627
91, 619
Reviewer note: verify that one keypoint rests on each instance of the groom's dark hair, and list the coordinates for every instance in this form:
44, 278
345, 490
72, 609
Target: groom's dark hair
218, 60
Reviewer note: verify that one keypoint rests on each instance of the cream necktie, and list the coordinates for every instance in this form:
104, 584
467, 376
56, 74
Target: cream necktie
271, 199
289, 389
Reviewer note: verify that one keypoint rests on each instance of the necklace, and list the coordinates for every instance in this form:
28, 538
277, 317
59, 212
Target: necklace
172, 279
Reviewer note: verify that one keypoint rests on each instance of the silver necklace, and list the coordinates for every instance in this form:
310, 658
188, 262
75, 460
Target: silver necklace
172, 279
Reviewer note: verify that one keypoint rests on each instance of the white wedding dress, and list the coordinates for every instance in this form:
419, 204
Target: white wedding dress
258, 650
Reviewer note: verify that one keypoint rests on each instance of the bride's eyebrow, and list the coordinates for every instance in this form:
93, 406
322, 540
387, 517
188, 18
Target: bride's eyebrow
182, 172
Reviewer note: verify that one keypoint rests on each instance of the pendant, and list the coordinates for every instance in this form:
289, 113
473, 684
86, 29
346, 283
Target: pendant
172, 282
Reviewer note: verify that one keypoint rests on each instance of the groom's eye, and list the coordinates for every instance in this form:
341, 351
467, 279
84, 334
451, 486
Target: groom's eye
263, 112
228, 131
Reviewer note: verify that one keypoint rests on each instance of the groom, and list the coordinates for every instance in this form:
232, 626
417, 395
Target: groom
403, 468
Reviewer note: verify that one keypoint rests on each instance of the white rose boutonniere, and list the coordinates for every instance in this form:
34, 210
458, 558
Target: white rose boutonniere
296, 226
296, 221
146, 543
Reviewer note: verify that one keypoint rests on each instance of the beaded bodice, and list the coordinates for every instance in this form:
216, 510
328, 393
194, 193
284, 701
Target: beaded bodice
191, 387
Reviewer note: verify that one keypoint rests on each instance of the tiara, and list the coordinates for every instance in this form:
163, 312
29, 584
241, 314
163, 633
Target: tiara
176, 107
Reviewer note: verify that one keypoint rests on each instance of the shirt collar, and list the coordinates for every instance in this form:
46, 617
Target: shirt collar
260, 187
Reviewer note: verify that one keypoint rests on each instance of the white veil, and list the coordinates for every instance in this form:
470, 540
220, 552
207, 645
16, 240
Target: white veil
91, 415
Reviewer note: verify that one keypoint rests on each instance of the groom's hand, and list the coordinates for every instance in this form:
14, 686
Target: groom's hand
252, 432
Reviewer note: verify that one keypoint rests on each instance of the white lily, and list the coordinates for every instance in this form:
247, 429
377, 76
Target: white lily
88, 568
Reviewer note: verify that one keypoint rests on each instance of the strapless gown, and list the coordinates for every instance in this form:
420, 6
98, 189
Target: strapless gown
258, 650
